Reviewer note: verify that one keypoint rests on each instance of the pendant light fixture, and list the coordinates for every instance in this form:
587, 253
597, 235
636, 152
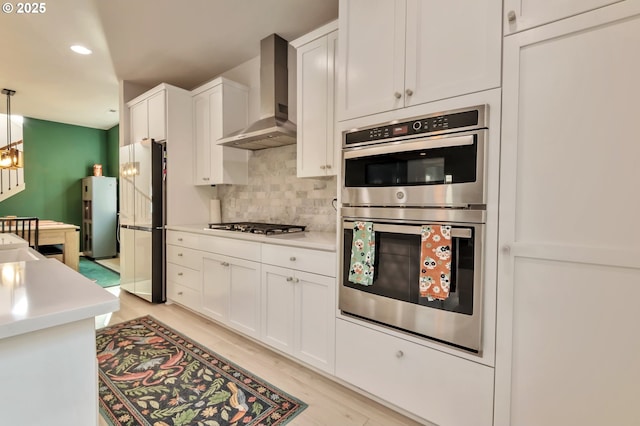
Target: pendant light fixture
10, 156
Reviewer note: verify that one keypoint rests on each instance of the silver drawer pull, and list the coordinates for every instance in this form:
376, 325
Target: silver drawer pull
179, 254
289, 279
296, 280
224, 263
179, 239
180, 274
399, 354
179, 293
292, 258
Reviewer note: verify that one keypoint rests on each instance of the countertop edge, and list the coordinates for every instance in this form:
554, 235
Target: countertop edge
55, 295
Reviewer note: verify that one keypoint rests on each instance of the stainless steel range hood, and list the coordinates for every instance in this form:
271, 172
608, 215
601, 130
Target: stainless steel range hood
273, 129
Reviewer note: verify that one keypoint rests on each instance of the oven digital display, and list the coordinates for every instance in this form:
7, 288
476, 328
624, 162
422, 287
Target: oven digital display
400, 130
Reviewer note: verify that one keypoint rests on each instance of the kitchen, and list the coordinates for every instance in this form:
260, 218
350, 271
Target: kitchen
533, 182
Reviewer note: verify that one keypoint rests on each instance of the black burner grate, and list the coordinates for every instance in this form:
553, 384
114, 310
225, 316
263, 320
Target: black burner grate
258, 227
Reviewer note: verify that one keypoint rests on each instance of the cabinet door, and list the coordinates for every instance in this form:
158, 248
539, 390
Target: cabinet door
314, 324
331, 150
278, 303
202, 138
138, 115
523, 14
228, 113
567, 273
244, 296
157, 116
313, 100
215, 287
450, 52
372, 43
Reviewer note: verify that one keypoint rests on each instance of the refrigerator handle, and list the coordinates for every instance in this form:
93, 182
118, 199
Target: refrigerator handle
118, 228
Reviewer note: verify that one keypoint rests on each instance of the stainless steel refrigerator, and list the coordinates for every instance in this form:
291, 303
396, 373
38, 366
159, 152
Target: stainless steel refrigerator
142, 219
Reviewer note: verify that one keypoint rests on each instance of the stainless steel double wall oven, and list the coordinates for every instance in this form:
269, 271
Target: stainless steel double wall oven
400, 176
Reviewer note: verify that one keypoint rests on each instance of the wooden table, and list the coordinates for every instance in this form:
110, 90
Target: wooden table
52, 232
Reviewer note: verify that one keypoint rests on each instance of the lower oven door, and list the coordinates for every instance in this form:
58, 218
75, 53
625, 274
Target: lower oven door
394, 299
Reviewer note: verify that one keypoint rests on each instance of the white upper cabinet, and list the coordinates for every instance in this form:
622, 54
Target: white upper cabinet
523, 14
396, 54
316, 58
148, 117
219, 107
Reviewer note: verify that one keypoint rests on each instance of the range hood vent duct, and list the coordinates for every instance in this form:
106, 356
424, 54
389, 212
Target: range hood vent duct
274, 128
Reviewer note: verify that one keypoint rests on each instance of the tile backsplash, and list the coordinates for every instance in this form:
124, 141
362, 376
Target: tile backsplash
275, 194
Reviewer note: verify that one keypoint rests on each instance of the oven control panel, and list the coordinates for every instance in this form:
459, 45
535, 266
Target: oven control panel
431, 124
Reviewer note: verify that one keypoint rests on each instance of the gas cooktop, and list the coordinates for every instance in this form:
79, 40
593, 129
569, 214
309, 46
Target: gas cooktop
257, 227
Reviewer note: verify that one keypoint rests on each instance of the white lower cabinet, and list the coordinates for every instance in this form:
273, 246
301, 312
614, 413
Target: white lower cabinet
184, 270
296, 314
438, 387
298, 303
231, 292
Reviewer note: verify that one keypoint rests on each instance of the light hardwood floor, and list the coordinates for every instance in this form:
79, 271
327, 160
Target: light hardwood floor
329, 403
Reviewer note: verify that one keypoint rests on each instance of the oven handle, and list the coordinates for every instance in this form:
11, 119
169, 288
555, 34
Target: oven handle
414, 145
408, 229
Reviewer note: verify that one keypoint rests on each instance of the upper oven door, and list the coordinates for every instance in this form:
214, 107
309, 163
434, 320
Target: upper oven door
446, 170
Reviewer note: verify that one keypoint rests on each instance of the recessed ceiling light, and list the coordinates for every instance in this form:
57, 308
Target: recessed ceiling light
81, 49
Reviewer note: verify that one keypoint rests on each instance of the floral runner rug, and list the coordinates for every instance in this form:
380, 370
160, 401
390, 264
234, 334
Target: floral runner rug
150, 374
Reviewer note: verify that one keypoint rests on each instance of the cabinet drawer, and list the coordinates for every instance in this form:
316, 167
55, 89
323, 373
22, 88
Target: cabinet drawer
231, 247
314, 261
184, 239
184, 257
184, 276
185, 296
438, 387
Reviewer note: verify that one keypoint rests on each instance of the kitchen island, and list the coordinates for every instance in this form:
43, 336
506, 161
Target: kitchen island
48, 372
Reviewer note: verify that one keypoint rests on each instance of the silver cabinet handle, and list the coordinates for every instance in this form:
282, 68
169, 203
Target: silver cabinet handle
179, 293
506, 249
180, 274
328, 166
399, 354
323, 167
179, 254
292, 258
398, 95
409, 92
296, 280
179, 239
224, 263
511, 16
289, 279
205, 178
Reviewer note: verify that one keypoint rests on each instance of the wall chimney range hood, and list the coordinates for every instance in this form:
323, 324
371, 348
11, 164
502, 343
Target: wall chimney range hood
273, 128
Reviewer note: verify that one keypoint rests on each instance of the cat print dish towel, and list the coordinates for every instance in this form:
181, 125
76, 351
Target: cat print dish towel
435, 262
363, 251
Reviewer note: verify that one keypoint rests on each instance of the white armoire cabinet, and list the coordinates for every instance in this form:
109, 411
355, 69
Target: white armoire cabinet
569, 236
524, 14
316, 59
219, 107
395, 54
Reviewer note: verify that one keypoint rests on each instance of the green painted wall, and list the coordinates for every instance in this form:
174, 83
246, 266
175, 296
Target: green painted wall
57, 157
113, 152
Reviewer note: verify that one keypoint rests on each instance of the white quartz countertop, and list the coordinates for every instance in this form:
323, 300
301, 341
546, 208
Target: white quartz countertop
39, 294
309, 239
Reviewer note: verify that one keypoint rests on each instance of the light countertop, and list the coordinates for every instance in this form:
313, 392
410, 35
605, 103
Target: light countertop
309, 239
38, 294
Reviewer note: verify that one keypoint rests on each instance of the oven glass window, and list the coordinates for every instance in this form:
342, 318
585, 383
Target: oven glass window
397, 271
435, 166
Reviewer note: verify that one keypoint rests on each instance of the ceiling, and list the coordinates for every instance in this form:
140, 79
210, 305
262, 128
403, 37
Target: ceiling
183, 43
